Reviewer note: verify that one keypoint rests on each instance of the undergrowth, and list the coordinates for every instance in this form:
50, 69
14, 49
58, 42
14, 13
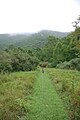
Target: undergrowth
14, 91
67, 84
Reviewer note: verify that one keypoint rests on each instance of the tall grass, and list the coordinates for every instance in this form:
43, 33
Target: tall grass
14, 91
67, 84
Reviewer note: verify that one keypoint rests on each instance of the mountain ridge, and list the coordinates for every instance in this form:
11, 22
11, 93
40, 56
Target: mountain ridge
28, 39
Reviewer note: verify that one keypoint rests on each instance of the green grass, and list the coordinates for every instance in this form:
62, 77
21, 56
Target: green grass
67, 85
45, 103
54, 95
14, 90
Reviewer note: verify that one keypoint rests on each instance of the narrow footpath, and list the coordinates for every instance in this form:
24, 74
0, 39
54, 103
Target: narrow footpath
46, 104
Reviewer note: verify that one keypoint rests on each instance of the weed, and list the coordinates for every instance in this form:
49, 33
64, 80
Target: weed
67, 84
14, 88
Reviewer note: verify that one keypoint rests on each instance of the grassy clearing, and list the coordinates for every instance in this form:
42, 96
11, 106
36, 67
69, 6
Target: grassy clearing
67, 84
45, 103
14, 90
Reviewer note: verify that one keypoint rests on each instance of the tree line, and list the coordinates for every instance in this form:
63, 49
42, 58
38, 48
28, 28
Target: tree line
17, 59
57, 52
62, 53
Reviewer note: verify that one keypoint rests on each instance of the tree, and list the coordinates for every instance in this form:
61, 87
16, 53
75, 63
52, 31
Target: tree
76, 23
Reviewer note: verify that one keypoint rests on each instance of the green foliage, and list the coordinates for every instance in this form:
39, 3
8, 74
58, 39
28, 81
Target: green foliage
76, 23
5, 61
64, 50
28, 40
14, 91
46, 53
67, 84
58, 52
41, 47
64, 65
16, 59
72, 64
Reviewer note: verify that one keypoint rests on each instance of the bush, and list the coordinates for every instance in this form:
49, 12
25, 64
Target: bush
72, 64
64, 65
17, 61
75, 64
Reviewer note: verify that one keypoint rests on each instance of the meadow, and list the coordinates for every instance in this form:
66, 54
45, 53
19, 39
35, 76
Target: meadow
67, 85
17, 89
14, 90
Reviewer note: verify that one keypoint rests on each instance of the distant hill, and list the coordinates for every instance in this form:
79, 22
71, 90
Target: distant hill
9, 39
28, 40
53, 33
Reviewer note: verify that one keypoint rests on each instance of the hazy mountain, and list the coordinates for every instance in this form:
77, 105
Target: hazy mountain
28, 40
54, 33
9, 39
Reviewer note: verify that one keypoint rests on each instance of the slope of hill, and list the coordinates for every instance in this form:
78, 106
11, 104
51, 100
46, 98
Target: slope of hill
39, 39
28, 40
8, 39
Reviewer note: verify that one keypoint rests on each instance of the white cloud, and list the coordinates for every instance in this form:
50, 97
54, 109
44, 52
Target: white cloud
34, 15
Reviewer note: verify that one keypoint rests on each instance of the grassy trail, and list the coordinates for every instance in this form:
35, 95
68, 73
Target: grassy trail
46, 104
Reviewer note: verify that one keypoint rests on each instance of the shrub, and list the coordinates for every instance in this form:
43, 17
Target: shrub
64, 65
72, 64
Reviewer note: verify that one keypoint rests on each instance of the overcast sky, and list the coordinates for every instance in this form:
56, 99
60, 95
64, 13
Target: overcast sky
35, 15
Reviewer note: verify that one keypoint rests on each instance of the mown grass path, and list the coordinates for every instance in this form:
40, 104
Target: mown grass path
46, 104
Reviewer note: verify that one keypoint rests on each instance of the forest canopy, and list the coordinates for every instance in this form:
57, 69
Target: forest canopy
59, 52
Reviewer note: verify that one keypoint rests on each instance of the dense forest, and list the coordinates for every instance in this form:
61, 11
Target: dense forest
21, 52
32, 50
28, 40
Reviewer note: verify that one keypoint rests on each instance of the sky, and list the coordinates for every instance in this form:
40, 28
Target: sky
18, 16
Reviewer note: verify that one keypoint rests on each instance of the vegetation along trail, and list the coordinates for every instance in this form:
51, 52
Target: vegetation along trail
46, 104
